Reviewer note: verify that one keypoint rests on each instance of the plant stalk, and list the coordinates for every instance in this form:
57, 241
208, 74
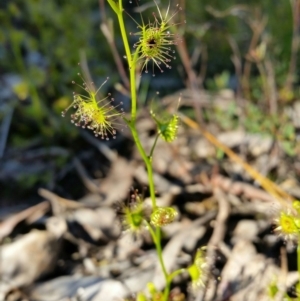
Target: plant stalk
132, 61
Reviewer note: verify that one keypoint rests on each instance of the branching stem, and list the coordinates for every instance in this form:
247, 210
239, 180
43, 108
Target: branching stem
132, 62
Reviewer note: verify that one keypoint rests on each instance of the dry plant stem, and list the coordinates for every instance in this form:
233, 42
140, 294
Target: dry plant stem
83, 174
295, 5
257, 30
283, 275
238, 188
183, 52
271, 86
283, 197
30, 214
203, 67
4, 129
263, 78
237, 62
218, 233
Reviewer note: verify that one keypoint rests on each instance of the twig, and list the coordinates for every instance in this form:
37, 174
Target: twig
5, 129
203, 65
284, 271
183, 52
89, 183
59, 205
218, 233
280, 195
240, 188
102, 147
272, 90
295, 5
257, 27
30, 215
236, 59
237, 62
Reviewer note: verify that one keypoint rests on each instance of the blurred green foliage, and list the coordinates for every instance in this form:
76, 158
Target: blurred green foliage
56, 31
279, 28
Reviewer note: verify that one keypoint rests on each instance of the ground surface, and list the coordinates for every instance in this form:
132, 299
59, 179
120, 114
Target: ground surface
60, 247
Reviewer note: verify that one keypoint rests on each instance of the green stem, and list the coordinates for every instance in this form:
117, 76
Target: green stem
153, 147
132, 67
147, 162
160, 253
169, 281
132, 61
157, 241
167, 290
176, 273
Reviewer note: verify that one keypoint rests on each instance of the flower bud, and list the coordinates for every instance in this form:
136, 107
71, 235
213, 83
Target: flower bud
163, 216
198, 269
167, 129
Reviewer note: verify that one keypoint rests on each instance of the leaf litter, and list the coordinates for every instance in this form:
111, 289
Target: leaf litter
68, 248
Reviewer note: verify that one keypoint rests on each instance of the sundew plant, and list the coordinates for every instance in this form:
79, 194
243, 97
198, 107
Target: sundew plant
155, 48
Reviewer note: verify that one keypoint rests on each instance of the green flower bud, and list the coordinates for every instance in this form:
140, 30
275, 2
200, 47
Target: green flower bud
163, 216
198, 269
167, 129
134, 216
296, 206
